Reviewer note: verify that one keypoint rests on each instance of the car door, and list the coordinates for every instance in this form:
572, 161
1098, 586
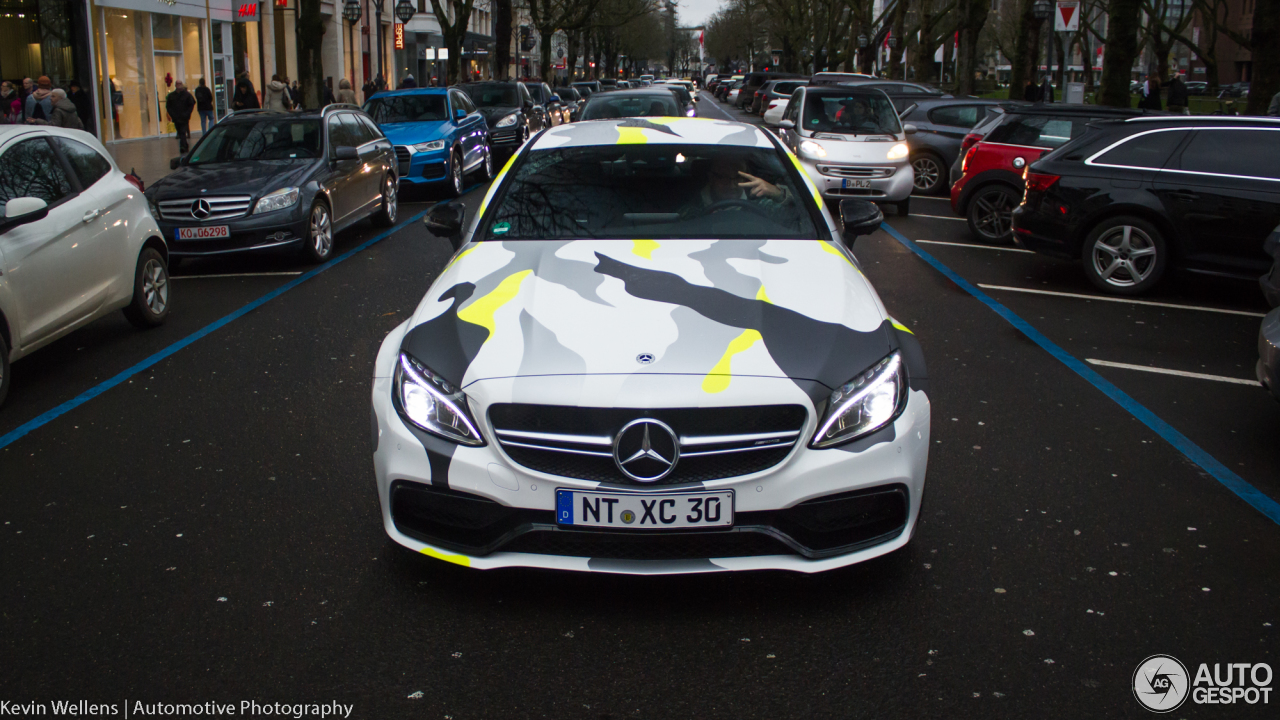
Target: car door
47, 261
790, 136
338, 178
366, 180
471, 130
946, 127
385, 151
1223, 191
109, 264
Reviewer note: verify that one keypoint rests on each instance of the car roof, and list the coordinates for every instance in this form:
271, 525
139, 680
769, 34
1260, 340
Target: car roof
261, 113
1065, 109
841, 90
488, 82
654, 91
1198, 120
654, 131
413, 91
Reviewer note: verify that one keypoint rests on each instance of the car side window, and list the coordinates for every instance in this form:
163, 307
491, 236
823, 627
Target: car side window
1045, 131
466, 103
89, 165
1250, 152
1151, 150
372, 128
793, 106
31, 169
337, 134
962, 116
356, 132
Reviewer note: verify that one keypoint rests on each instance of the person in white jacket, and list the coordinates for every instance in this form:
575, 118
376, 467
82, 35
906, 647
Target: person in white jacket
275, 96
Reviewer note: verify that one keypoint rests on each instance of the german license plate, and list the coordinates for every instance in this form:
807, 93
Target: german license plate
857, 184
648, 511
211, 232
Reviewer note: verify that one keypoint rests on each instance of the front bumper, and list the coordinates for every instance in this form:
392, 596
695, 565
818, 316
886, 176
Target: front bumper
814, 511
506, 138
1269, 353
277, 230
830, 179
423, 168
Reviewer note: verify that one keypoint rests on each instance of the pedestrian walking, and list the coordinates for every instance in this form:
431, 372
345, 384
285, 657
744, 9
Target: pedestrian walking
204, 106
63, 114
407, 83
84, 106
295, 94
1030, 92
28, 87
179, 104
39, 105
345, 93
1178, 95
246, 97
1150, 94
276, 95
328, 92
368, 89
10, 104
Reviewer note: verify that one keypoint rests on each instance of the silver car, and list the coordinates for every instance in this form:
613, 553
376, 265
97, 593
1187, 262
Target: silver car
851, 144
77, 241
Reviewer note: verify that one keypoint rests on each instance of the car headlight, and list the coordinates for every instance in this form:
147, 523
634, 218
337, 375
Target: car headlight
433, 404
864, 404
899, 151
278, 200
509, 120
809, 147
430, 146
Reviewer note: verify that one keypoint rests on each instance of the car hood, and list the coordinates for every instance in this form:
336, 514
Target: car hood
245, 177
796, 309
856, 149
496, 113
412, 133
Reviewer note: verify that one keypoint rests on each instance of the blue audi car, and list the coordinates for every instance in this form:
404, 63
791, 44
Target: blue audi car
438, 134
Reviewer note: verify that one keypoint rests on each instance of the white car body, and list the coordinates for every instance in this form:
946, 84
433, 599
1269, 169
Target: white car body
568, 329
732, 98
867, 159
773, 113
79, 262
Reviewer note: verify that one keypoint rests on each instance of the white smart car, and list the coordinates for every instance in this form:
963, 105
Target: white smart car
851, 143
652, 353
77, 241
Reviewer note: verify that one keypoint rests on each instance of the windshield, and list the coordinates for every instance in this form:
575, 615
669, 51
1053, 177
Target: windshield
584, 88
615, 106
407, 108
651, 191
493, 95
855, 113
262, 140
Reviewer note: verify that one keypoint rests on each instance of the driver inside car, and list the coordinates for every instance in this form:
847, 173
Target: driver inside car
728, 181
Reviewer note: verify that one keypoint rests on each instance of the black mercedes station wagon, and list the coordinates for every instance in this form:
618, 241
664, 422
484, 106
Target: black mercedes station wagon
266, 180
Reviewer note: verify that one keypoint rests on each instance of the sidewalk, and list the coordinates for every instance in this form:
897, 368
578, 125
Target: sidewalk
148, 157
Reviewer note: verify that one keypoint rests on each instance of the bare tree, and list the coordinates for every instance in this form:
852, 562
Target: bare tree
453, 27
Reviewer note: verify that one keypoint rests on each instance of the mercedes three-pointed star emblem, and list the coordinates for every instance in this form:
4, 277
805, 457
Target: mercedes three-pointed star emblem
646, 450
200, 209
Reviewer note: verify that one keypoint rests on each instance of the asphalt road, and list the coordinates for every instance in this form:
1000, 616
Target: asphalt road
208, 529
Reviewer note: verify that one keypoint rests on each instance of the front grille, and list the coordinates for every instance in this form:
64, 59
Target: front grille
404, 156
856, 172
856, 192
716, 443
219, 208
505, 135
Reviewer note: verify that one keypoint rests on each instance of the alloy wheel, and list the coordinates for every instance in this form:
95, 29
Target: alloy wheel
993, 214
456, 173
927, 173
321, 231
389, 199
1124, 256
155, 286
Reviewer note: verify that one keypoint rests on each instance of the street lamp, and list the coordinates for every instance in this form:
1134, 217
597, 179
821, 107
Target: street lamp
1041, 10
862, 40
405, 11
351, 13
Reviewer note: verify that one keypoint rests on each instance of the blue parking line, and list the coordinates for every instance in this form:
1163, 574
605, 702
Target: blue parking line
105, 385
1233, 482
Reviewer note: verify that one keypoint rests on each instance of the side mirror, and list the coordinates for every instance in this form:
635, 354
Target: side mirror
859, 217
174, 163
23, 210
787, 124
346, 152
909, 129
459, 113
445, 220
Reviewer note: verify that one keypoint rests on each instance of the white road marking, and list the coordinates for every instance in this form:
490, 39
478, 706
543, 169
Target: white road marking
1179, 373
975, 246
936, 217
1104, 298
232, 275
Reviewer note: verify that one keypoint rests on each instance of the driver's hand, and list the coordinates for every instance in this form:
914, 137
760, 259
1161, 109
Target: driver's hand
758, 187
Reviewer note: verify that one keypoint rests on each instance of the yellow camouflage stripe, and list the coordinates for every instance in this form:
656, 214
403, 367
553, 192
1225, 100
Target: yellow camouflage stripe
718, 379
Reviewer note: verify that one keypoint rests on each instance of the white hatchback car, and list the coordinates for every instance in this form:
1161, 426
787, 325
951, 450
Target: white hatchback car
851, 143
77, 241
653, 353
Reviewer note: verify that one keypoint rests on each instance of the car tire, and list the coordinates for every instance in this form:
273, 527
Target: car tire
151, 300
319, 245
990, 213
454, 188
1125, 255
4, 369
930, 175
485, 174
385, 216
904, 207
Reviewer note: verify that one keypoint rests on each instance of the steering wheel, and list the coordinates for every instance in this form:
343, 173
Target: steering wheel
726, 204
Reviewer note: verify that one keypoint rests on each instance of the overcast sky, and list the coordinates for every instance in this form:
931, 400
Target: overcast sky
695, 12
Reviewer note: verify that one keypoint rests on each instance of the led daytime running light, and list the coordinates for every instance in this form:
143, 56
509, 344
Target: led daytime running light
888, 373
407, 366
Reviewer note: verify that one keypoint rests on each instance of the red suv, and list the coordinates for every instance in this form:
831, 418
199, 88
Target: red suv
990, 185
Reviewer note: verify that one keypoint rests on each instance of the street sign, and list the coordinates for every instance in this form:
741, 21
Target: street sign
399, 36
1067, 18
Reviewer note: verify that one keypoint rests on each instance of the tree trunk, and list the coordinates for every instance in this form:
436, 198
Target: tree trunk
973, 16
571, 55
1064, 56
544, 53
502, 40
309, 30
1122, 49
453, 66
1266, 62
895, 54
1023, 63
1086, 60
923, 56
